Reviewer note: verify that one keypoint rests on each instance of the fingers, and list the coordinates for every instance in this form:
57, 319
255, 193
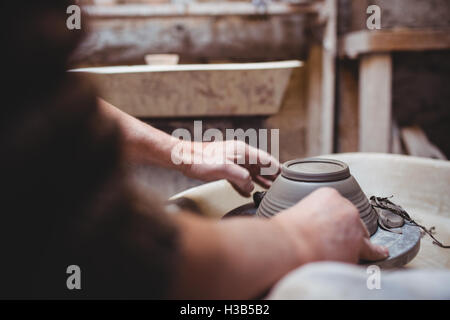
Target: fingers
239, 190
262, 181
365, 231
239, 178
372, 252
262, 159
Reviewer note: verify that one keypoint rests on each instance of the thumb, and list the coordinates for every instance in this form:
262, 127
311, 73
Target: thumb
239, 178
372, 252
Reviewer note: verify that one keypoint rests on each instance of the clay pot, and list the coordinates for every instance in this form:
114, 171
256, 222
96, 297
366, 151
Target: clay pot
300, 177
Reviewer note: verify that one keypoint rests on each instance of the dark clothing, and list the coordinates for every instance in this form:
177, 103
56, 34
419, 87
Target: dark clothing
66, 197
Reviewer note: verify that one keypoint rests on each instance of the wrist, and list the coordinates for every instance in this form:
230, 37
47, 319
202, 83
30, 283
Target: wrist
156, 147
294, 237
181, 155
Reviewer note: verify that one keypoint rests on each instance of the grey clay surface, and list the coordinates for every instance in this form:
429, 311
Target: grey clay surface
285, 191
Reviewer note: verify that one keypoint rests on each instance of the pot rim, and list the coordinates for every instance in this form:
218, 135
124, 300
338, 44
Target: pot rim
340, 174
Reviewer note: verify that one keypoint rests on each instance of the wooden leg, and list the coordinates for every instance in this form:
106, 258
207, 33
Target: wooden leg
315, 129
321, 88
348, 115
375, 101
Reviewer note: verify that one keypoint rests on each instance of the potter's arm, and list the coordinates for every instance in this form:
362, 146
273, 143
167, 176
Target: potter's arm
144, 144
235, 259
147, 145
241, 258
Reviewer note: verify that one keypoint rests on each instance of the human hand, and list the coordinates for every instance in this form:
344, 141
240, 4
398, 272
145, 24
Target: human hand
326, 226
233, 160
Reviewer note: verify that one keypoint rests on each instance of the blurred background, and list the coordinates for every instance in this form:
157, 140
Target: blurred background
348, 89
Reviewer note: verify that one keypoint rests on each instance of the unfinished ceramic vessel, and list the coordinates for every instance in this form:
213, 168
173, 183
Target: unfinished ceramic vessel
300, 177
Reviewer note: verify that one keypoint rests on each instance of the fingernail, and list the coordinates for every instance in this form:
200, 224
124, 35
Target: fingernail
384, 251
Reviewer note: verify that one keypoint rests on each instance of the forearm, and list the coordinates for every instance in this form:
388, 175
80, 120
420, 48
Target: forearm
235, 259
143, 143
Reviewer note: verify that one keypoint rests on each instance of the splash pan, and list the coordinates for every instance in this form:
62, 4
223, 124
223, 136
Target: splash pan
402, 247
300, 177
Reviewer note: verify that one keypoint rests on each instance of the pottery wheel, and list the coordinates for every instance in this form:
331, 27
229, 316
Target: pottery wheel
402, 247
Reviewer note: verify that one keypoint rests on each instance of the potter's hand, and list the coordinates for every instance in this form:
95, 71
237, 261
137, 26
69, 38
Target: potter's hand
326, 226
235, 161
